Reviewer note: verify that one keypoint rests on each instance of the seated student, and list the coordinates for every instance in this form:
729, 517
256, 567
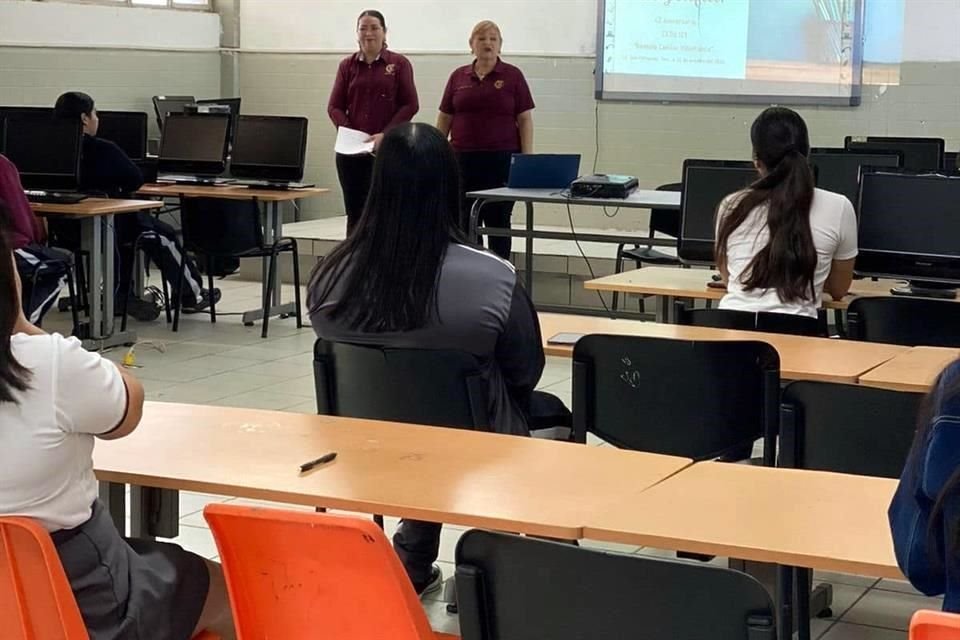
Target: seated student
55, 398
925, 512
405, 277
26, 236
107, 170
781, 242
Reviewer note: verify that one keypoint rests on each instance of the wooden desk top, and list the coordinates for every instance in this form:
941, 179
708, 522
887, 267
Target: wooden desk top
801, 358
228, 192
826, 521
94, 207
429, 473
692, 283
914, 370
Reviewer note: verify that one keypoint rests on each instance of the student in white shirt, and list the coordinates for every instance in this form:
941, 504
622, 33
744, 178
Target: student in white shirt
781, 242
55, 398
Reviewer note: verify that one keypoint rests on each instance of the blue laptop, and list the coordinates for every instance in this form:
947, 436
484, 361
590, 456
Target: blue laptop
543, 170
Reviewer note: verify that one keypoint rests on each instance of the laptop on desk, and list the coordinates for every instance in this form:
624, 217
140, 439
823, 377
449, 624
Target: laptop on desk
543, 170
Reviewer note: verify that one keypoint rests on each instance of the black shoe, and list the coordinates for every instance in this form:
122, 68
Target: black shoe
141, 310
433, 584
196, 306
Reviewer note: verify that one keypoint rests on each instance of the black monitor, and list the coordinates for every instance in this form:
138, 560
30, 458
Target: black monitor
919, 154
705, 184
838, 170
909, 227
194, 144
163, 105
126, 129
269, 148
232, 103
5, 112
951, 162
45, 150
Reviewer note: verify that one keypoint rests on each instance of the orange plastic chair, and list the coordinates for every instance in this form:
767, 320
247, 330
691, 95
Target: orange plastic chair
36, 601
934, 625
297, 574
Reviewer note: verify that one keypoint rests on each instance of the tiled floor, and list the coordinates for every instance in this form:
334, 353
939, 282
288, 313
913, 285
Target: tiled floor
228, 364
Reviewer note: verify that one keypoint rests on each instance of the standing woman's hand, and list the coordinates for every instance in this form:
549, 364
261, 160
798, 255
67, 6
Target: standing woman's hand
376, 138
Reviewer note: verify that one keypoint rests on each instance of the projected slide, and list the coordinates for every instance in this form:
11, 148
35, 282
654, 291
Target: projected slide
697, 49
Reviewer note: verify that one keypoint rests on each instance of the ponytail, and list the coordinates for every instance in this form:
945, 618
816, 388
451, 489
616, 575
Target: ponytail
13, 375
789, 260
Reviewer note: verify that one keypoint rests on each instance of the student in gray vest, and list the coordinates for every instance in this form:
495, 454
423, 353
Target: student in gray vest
406, 278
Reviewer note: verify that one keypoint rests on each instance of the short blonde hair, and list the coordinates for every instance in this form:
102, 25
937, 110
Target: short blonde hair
485, 25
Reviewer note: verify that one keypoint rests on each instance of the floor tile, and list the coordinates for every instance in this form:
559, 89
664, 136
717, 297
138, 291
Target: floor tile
845, 631
440, 620
303, 387
193, 503
888, 609
195, 369
260, 399
199, 540
900, 586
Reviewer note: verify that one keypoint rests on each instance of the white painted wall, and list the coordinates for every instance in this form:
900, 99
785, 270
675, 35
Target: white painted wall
539, 27
65, 25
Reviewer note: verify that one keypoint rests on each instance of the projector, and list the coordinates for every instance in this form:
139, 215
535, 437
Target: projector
603, 186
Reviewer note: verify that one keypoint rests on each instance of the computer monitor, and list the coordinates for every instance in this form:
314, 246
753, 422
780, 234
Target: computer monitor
7, 111
232, 103
163, 105
45, 150
194, 144
269, 148
908, 227
951, 162
919, 154
705, 184
839, 170
126, 129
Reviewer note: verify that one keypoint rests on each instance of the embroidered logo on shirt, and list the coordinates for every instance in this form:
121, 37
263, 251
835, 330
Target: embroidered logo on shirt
498, 84
390, 68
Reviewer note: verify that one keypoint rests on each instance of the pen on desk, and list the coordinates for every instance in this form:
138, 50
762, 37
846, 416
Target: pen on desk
306, 466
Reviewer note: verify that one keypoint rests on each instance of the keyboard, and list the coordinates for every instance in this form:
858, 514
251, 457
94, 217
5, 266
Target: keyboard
181, 179
54, 197
280, 186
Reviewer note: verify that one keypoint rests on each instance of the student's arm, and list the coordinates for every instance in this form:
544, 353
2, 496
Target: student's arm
840, 278
519, 351
841, 269
337, 104
134, 408
407, 101
126, 176
525, 124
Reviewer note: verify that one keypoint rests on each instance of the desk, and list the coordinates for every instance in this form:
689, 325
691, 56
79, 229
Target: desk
914, 370
272, 227
668, 283
801, 357
640, 199
97, 238
430, 473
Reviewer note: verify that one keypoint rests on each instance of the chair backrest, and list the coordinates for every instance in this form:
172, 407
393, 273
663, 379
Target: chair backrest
218, 227
847, 428
441, 387
752, 321
690, 398
905, 321
666, 221
934, 625
298, 574
36, 601
528, 589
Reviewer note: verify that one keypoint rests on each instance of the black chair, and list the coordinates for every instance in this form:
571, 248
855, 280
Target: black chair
228, 229
55, 268
751, 321
665, 221
529, 589
699, 399
905, 321
844, 429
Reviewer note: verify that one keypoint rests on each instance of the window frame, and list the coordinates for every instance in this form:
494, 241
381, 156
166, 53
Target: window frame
176, 5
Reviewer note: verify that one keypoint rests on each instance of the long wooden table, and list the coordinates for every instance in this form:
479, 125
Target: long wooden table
801, 357
272, 221
669, 283
914, 370
97, 238
459, 477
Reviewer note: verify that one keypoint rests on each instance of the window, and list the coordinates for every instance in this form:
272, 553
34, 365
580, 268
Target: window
203, 5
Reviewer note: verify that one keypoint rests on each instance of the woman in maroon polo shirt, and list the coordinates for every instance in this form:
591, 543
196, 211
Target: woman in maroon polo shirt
374, 91
487, 110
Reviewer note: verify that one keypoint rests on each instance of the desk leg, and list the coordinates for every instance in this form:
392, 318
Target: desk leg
91, 239
276, 224
114, 496
109, 279
154, 513
97, 237
528, 255
784, 597
272, 231
665, 311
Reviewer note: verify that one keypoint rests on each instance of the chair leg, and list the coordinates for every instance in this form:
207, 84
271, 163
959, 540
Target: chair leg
379, 520
268, 293
176, 295
166, 295
296, 285
213, 303
125, 300
81, 274
618, 268
72, 292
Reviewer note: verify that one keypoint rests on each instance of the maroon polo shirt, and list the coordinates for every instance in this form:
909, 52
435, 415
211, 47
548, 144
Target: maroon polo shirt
373, 97
485, 111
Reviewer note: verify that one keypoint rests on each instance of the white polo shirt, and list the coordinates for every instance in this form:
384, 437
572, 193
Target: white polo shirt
46, 437
834, 227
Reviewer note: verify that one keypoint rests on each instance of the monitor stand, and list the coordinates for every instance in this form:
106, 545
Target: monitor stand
926, 289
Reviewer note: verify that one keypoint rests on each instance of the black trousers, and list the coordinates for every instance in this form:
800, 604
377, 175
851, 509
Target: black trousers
354, 173
481, 170
43, 275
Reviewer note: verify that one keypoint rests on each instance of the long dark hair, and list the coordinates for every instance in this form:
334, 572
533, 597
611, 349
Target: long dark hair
390, 263
788, 262
13, 375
